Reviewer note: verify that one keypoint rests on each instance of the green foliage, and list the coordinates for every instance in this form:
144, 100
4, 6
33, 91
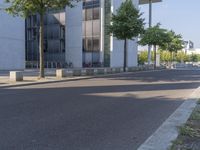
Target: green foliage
174, 42
165, 56
181, 57
187, 130
143, 57
194, 57
127, 22
25, 8
154, 36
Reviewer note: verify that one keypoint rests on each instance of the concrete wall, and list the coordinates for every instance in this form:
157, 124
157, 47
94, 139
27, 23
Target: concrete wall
117, 46
74, 35
12, 41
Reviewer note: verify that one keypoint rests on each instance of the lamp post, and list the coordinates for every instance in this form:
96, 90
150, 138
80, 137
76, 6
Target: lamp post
150, 25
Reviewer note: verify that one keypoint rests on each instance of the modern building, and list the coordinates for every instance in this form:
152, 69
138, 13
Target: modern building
74, 37
193, 51
12, 47
54, 43
79, 37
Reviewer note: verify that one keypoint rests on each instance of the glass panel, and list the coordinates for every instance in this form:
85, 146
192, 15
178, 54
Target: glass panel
96, 27
54, 37
96, 13
88, 28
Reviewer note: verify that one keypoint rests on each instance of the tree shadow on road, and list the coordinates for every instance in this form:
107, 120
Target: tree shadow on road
163, 75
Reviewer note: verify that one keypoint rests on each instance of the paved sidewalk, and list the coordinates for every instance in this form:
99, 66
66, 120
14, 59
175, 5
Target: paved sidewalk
31, 80
31, 77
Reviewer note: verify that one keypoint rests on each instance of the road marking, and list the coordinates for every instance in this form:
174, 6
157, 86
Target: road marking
161, 139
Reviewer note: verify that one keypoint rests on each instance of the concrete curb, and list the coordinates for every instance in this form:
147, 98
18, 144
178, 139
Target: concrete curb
19, 84
162, 138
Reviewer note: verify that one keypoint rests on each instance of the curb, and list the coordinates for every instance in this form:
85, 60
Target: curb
162, 138
18, 84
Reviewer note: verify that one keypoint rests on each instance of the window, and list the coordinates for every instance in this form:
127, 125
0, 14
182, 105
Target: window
91, 26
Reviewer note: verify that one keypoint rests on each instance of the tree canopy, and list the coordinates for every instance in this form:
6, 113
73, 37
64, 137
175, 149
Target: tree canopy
174, 43
155, 36
25, 8
127, 22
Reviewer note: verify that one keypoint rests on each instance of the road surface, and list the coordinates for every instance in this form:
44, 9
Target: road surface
118, 112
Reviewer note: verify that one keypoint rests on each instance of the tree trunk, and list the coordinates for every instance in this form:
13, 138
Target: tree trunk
125, 54
171, 53
155, 57
149, 54
41, 46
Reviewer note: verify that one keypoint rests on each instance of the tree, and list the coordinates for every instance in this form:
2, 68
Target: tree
174, 43
181, 57
143, 57
194, 57
126, 24
155, 36
165, 56
26, 8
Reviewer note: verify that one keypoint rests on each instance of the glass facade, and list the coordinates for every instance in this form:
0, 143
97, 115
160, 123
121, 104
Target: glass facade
54, 36
54, 39
91, 33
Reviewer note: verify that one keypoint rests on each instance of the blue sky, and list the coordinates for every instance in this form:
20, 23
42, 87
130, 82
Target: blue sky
182, 16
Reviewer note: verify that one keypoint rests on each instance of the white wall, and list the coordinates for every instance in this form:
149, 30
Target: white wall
74, 35
117, 46
12, 42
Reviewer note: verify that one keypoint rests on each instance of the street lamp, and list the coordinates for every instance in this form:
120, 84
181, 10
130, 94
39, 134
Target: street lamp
141, 2
150, 24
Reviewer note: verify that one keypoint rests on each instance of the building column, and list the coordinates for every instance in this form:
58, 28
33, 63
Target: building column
132, 50
117, 46
102, 16
74, 52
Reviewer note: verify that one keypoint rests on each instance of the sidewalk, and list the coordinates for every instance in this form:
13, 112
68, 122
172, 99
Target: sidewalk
31, 77
30, 80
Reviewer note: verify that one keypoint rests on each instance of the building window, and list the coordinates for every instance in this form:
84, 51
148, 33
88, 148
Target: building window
54, 37
91, 25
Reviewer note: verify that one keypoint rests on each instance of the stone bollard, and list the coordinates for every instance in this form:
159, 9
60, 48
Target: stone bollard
95, 71
117, 70
69, 73
77, 72
83, 72
113, 70
108, 70
100, 71
16, 76
60, 73
90, 72
121, 69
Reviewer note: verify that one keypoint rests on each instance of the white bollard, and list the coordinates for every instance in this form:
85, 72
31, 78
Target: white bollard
16, 76
60, 73
69, 73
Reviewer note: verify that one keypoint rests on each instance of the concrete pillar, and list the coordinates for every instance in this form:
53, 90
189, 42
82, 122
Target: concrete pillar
74, 35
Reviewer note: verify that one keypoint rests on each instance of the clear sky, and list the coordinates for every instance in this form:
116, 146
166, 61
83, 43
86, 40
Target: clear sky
182, 16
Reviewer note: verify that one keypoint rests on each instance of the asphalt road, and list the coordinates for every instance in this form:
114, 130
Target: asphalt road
113, 113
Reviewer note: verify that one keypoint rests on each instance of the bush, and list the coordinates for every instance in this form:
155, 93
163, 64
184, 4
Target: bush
143, 57
194, 58
181, 57
165, 56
